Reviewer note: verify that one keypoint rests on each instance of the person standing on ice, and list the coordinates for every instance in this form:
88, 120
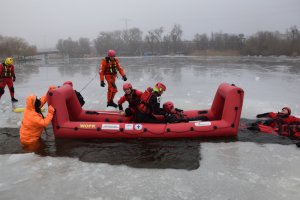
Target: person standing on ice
133, 96
33, 121
7, 77
108, 68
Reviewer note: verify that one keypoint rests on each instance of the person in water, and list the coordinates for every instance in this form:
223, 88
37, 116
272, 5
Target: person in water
275, 120
34, 122
279, 118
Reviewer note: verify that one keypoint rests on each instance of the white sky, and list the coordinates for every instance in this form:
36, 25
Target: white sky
43, 22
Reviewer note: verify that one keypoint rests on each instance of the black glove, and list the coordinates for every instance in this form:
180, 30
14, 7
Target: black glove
124, 78
128, 112
262, 115
102, 84
120, 107
178, 110
202, 118
171, 118
14, 78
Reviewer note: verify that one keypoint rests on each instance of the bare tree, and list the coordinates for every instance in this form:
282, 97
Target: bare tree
84, 46
60, 47
201, 41
293, 37
154, 40
109, 40
13, 46
134, 41
264, 43
175, 37
74, 48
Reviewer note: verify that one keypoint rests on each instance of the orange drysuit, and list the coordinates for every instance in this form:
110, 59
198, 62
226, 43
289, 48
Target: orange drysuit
33, 122
109, 69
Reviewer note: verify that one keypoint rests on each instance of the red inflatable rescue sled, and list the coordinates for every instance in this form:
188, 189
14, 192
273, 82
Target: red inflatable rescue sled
71, 121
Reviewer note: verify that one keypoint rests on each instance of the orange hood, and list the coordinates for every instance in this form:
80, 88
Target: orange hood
30, 101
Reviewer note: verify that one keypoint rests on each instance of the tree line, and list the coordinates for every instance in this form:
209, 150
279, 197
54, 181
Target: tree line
17, 47
133, 42
157, 42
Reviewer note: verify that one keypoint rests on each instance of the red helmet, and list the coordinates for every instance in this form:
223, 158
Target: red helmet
288, 109
160, 86
111, 53
168, 106
68, 83
127, 86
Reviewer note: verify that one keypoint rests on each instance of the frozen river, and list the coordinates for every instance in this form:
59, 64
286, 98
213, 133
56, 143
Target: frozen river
252, 166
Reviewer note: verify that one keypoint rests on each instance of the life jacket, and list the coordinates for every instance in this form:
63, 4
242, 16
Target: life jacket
278, 119
292, 130
175, 117
132, 99
111, 66
144, 106
179, 114
6, 71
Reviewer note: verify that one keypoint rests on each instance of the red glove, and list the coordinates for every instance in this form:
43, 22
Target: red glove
51, 110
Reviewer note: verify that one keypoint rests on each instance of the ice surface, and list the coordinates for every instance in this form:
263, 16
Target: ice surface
269, 83
227, 171
232, 170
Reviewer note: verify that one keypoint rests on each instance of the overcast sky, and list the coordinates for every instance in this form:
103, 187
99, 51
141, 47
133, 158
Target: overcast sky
43, 22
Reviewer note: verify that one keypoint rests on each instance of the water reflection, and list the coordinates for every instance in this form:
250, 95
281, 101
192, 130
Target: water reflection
24, 71
134, 153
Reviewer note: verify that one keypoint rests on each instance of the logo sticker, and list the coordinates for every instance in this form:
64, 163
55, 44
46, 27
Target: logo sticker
110, 126
138, 126
88, 126
202, 123
158, 99
128, 126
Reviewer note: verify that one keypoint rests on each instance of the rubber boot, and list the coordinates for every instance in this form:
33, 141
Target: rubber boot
13, 99
111, 103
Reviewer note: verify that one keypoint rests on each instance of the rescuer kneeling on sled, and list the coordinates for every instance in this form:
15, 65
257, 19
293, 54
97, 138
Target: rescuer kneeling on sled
150, 105
132, 96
